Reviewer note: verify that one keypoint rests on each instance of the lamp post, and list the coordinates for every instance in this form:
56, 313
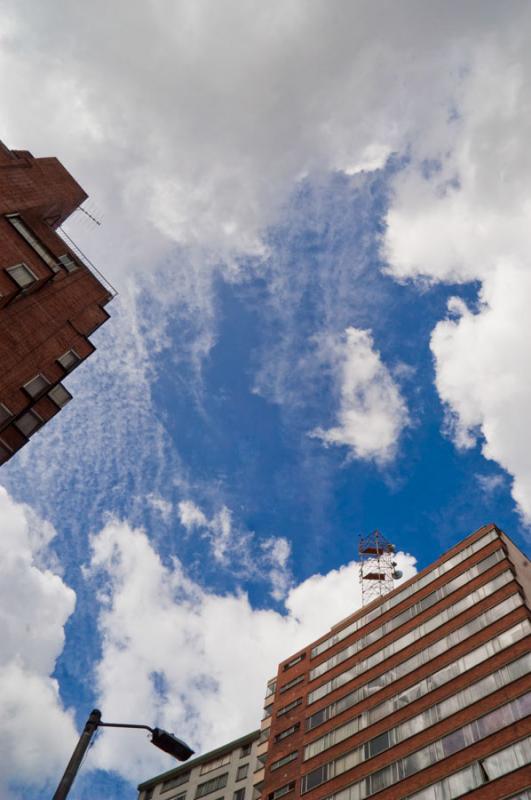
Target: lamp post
161, 739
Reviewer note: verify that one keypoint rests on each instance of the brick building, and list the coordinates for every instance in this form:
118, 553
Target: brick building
425, 693
226, 773
50, 299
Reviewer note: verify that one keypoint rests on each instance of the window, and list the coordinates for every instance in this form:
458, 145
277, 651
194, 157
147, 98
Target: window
221, 761
289, 707
241, 774
68, 263
60, 395
494, 766
480, 654
294, 661
28, 423
177, 781
5, 452
245, 750
264, 735
404, 641
22, 275
36, 386
5, 414
281, 791
212, 785
180, 796
27, 234
285, 760
148, 794
288, 732
69, 360
292, 683
239, 794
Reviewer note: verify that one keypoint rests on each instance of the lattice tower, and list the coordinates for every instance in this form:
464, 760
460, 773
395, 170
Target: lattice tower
377, 566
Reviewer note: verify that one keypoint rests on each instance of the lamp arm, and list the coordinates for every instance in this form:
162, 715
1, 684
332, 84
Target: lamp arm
123, 725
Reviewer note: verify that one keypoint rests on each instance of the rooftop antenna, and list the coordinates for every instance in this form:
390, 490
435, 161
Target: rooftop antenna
377, 566
89, 215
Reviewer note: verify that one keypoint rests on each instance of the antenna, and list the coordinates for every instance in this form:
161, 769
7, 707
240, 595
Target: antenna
377, 566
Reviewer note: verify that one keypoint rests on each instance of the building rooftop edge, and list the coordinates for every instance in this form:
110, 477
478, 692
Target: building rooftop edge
462, 542
194, 762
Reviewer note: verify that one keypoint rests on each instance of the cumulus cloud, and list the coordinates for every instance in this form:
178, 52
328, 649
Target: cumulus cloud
195, 662
235, 547
372, 412
461, 212
35, 605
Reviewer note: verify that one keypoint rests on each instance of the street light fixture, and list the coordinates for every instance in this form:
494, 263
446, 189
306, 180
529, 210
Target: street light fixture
161, 739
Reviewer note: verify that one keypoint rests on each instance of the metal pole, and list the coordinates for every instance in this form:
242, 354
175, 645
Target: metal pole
67, 780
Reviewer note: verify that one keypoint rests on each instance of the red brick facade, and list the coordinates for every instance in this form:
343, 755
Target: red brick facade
493, 561
50, 300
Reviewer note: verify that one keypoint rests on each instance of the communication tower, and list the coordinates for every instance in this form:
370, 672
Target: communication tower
377, 566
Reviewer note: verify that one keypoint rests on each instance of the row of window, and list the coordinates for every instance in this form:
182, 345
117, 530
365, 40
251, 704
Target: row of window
283, 761
37, 387
239, 794
397, 598
290, 706
424, 604
419, 689
481, 772
427, 756
420, 722
412, 636
287, 732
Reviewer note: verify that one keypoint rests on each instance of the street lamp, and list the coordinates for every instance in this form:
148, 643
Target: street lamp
161, 739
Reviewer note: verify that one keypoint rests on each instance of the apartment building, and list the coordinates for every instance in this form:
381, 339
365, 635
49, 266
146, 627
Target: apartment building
51, 299
226, 773
424, 694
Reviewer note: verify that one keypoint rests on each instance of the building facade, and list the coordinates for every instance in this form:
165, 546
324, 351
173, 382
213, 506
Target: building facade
425, 693
50, 299
226, 773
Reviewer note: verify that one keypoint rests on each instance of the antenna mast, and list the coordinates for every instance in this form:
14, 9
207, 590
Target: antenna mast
377, 566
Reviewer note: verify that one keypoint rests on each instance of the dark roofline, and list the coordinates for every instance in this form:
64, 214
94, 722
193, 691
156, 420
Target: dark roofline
194, 762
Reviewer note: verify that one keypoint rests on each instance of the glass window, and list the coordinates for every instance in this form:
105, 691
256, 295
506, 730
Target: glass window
314, 778
241, 774
5, 414
212, 785
36, 386
60, 395
5, 452
28, 423
177, 781
26, 232
221, 761
239, 794
281, 791
22, 275
69, 360
377, 745
68, 263
288, 732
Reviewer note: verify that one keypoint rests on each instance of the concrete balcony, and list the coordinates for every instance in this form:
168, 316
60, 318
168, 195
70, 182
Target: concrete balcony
258, 778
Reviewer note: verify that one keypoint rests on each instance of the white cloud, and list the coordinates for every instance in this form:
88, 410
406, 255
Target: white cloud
164, 507
195, 662
38, 734
236, 548
371, 412
461, 212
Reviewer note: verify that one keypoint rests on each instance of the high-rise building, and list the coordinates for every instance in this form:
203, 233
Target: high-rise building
425, 693
226, 773
51, 300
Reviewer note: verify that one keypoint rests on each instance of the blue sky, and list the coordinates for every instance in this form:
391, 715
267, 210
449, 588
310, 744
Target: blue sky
321, 329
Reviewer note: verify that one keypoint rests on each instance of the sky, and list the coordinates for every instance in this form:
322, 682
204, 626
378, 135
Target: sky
316, 216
